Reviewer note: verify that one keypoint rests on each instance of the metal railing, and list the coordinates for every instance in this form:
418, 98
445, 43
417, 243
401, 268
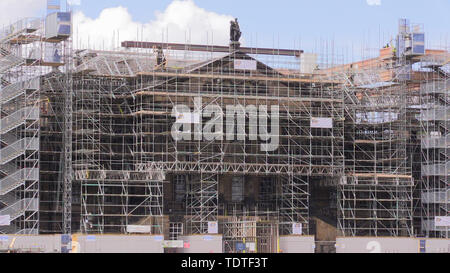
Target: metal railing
8, 199
436, 87
429, 225
436, 197
17, 149
16, 89
429, 142
17, 179
16, 210
8, 60
24, 25
438, 113
18, 118
436, 169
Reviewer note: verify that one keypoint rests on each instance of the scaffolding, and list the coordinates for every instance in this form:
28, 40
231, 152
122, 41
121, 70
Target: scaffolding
123, 105
434, 119
119, 185
53, 156
116, 141
250, 234
375, 196
57, 200
19, 127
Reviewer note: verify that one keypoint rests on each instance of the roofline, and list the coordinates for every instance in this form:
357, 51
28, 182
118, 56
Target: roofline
212, 48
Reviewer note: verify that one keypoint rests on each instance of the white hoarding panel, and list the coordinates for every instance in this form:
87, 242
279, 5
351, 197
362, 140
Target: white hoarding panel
308, 62
251, 246
297, 244
53, 53
202, 244
377, 245
245, 64
442, 221
322, 123
58, 24
138, 229
297, 229
173, 244
91, 238
5, 220
213, 228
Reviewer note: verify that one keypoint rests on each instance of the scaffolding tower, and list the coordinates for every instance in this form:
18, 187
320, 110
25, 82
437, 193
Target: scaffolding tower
375, 196
19, 127
434, 119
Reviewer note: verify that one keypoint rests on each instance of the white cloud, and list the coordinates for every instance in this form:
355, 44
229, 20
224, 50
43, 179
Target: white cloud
373, 2
181, 20
14, 10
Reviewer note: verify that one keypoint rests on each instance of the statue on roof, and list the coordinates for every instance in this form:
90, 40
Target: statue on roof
235, 31
161, 60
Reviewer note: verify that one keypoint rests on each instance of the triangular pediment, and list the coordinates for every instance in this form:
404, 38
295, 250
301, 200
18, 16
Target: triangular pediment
236, 69
226, 65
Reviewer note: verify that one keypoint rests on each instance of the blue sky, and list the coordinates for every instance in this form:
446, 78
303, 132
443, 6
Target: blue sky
287, 22
352, 28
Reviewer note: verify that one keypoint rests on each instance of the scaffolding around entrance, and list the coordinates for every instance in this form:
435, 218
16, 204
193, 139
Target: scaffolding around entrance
247, 234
